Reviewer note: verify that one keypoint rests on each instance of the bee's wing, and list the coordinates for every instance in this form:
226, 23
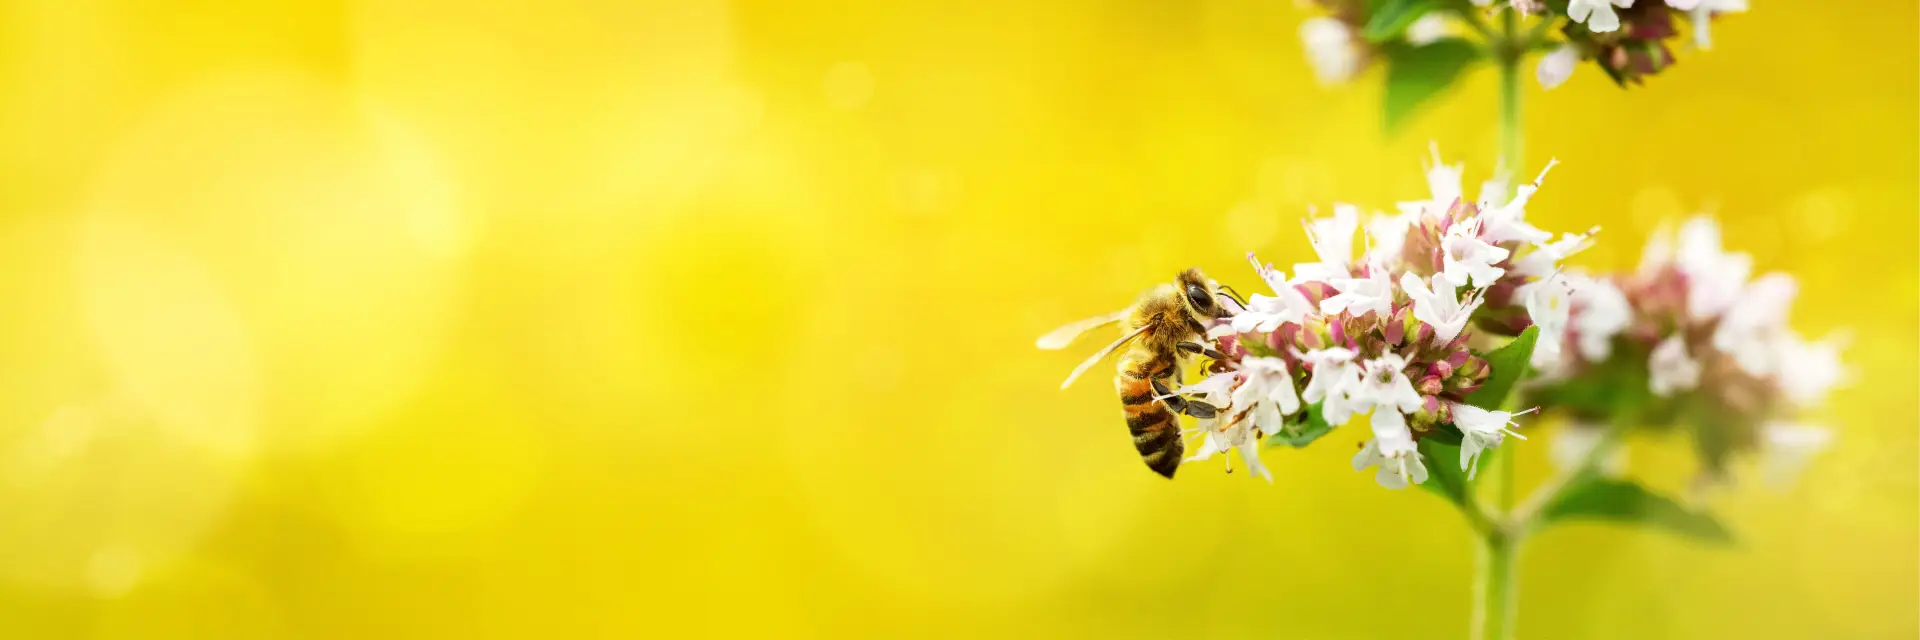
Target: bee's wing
1103, 354
1063, 336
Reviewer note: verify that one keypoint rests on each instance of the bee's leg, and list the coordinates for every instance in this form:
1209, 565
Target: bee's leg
1183, 405
1195, 347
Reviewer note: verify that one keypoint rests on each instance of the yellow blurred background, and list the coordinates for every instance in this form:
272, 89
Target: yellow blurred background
704, 318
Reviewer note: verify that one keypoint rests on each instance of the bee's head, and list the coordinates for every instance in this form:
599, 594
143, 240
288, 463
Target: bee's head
1197, 295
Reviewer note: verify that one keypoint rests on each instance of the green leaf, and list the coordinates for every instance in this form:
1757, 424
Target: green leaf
1444, 476
1302, 429
1596, 498
1506, 365
1416, 74
1390, 18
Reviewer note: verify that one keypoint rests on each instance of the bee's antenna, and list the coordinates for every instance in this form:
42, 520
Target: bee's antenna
1234, 295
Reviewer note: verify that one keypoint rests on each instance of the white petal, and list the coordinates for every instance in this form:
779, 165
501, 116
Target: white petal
1809, 371
1330, 49
1390, 429
1702, 28
1390, 478
1208, 447
1789, 448
1579, 10
1469, 449
1250, 454
1670, 369
1366, 457
1557, 66
1428, 28
1604, 20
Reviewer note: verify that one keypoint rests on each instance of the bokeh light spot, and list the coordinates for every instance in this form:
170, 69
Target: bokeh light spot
171, 335
126, 495
264, 238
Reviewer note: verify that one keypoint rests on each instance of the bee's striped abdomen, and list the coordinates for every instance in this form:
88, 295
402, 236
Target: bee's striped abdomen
1155, 429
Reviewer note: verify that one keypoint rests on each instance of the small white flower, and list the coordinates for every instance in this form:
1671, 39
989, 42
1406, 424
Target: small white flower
1571, 445
1335, 375
1428, 29
1809, 370
1267, 313
1439, 307
1546, 256
1549, 303
1393, 451
1443, 185
1604, 313
1659, 253
1388, 234
1332, 49
1216, 389
1480, 430
1598, 14
1702, 17
1267, 393
1747, 330
1275, 279
1507, 222
1557, 66
1671, 369
1789, 447
1385, 385
1443, 180
1360, 295
1467, 259
1332, 240
1715, 278
1493, 195
1237, 435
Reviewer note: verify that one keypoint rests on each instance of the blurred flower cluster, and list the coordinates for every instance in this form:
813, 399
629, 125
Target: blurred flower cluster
1627, 39
1630, 43
1339, 48
1688, 341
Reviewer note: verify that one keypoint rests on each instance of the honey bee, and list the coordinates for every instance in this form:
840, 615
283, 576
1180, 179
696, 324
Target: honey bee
1167, 325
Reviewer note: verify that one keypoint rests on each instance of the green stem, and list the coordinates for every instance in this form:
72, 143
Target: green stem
1495, 586
1509, 51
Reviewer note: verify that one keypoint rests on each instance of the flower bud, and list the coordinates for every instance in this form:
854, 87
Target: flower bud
1429, 386
1441, 370
1230, 346
1395, 330
1475, 368
1337, 332
1432, 412
1315, 291
1313, 335
1459, 359
1284, 339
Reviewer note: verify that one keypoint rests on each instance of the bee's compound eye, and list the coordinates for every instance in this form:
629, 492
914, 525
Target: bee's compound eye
1198, 296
